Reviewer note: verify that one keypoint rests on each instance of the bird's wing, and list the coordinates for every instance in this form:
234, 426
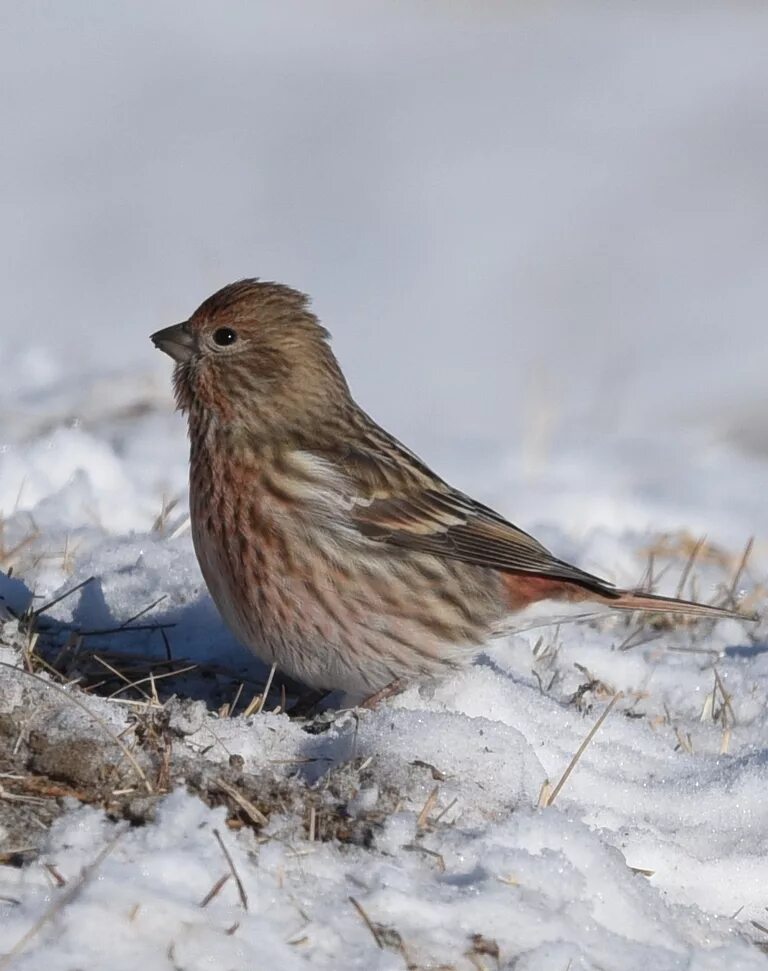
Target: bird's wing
396, 500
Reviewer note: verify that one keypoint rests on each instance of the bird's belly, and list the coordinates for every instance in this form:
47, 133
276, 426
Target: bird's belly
331, 609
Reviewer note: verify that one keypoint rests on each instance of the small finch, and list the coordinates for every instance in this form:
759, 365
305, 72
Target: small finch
328, 547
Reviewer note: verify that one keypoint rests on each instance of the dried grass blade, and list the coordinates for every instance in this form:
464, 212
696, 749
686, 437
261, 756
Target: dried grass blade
235, 874
582, 749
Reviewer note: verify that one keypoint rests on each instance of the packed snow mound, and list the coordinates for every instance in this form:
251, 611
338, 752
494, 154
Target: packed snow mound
418, 834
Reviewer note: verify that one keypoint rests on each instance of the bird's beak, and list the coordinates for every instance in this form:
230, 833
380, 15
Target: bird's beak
177, 341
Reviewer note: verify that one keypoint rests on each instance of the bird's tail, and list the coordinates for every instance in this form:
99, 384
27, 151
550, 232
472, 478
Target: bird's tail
637, 600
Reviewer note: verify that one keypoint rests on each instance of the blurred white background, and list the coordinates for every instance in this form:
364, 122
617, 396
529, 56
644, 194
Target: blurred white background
527, 225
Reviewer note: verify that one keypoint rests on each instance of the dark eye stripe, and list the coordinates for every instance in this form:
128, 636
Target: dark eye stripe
224, 336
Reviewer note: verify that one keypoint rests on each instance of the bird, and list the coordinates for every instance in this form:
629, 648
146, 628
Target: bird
330, 549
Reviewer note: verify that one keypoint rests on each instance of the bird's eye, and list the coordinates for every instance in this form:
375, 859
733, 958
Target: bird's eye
224, 336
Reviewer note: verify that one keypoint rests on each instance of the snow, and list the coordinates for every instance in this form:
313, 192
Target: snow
537, 235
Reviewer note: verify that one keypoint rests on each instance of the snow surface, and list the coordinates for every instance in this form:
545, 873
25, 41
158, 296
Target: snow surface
537, 234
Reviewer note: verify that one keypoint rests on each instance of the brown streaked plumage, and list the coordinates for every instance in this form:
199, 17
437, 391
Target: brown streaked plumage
328, 547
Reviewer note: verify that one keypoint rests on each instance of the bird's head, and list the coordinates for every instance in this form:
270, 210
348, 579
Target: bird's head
254, 353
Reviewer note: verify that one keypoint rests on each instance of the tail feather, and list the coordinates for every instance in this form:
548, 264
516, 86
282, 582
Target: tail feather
637, 600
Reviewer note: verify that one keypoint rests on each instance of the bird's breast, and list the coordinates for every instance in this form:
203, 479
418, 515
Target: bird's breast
266, 542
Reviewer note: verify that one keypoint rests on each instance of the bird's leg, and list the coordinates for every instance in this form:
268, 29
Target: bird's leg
388, 691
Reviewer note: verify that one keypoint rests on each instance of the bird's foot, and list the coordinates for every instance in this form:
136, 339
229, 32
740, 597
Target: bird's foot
388, 691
